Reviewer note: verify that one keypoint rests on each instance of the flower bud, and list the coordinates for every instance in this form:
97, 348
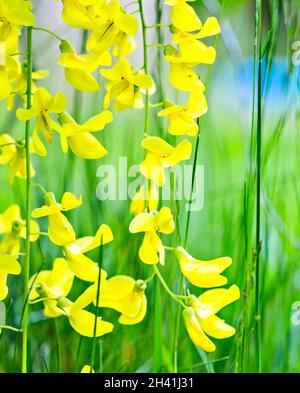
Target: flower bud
170, 50
66, 47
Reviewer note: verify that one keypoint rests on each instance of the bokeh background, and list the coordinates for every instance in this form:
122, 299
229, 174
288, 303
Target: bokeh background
225, 225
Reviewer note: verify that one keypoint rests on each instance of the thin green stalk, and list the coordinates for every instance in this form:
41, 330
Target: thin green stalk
59, 346
26, 267
165, 285
145, 66
258, 345
49, 32
93, 353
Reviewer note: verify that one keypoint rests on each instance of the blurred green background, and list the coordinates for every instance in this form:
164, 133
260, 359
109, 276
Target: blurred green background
225, 225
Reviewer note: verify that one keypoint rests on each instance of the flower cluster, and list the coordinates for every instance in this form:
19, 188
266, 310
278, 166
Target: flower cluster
184, 53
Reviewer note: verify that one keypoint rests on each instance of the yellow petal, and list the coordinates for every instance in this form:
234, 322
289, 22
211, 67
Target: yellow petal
9, 265
83, 322
184, 17
211, 27
195, 331
152, 250
184, 78
163, 221
8, 152
216, 327
81, 80
143, 222
60, 230
87, 370
70, 202
216, 299
11, 214
3, 286
127, 320
98, 122
86, 146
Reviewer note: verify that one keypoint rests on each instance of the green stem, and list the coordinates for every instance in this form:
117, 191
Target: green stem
158, 25
10, 328
258, 189
145, 66
168, 290
93, 353
59, 346
39, 186
49, 32
26, 267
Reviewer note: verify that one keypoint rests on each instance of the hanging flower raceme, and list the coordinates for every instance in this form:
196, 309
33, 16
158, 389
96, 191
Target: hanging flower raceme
82, 266
12, 153
161, 155
114, 27
152, 250
183, 16
79, 137
121, 293
204, 274
49, 285
146, 197
79, 68
8, 265
182, 117
200, 318
13, 14
14, 228
43, 105
60, 231
124, 86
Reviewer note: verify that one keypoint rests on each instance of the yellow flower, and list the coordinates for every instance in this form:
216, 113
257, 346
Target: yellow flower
8, 265
52, 284
204, 274
87, 370
14, 227
82, 266
161, 155
124, 86
76, 14
145, 197
82, 321
181, 117
60, 231
184, 78
14, 13
200, 318
152, 250
79, 68
14, 155
112, 25
43, 104
79, 137
183, 16
121, 293
192, 51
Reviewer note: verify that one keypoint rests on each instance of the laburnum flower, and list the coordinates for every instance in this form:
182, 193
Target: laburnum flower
82, 266
183, 16
8, 265
204, 274
192, 51
13, 154
152, 250
14, 228
49, 285
79, 137
161, 155
14, 13
87, 370
60, 230
201, 320
184, 78
113, 25
146, 197
125, 86
182, 117
121, 293
43, 105
79, 68
83, 321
